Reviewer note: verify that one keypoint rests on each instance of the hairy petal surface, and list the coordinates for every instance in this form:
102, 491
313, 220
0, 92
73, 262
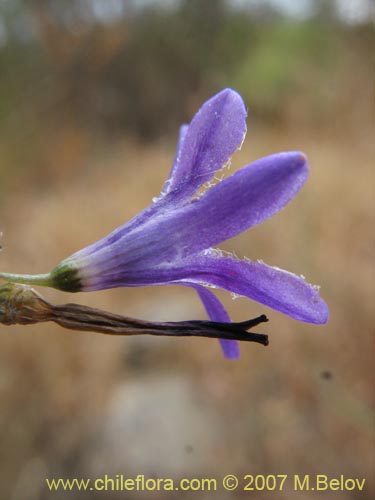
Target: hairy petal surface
206, 145
248, 197
176, 162
271, 286
216, 312
159, 204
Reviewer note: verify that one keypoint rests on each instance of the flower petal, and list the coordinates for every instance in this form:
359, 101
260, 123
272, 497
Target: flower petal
203, 147
216, 312
158, 204
271, 286
248, 197
245, 199
206, 145
177, 160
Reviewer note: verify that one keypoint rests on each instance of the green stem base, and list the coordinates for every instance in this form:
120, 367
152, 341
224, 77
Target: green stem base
28, 279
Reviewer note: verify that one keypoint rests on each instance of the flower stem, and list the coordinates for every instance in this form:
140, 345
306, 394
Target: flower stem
28, 279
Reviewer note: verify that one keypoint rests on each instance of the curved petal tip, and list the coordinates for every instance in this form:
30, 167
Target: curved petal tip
321, 310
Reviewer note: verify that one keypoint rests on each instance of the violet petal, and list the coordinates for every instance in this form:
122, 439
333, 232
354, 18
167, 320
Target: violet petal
248, 197
216, 312
177, 160
215, 133
271, 286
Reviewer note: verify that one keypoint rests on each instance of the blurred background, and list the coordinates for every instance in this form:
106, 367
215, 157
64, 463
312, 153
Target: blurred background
92, 94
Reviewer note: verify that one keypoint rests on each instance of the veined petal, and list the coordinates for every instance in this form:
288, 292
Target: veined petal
248, 197
271, 286
241, 201
160, 203
118, 234
205, 146
177, 160
216, 312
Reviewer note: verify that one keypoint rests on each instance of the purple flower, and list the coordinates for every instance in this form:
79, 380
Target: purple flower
172, 240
